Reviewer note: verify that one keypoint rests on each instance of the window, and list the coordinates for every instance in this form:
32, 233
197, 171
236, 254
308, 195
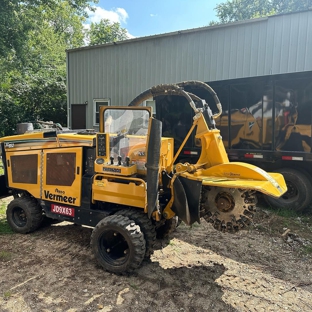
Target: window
97, 103
151, 103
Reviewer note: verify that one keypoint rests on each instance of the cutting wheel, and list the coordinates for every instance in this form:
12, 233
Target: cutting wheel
228, 209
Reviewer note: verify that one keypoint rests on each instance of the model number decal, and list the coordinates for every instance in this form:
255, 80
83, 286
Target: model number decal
66, 211
9, 145
232, 174
112, 170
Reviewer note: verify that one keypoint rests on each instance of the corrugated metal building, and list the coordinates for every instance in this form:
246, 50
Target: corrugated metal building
115, 73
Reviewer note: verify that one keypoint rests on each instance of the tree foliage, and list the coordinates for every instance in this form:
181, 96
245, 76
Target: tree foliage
237, 10
16, 21
33, 39
38, 96
106, 31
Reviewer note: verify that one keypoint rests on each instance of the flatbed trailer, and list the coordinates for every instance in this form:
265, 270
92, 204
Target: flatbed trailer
266, 121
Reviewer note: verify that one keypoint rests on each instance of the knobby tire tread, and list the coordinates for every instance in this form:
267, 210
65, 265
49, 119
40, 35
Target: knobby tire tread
33, 213
136, 237
146, 226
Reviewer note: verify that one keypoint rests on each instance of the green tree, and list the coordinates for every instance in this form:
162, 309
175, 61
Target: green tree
33, 81
33, 39
16, 20
13, 27
105, 31
237, 10
36, 96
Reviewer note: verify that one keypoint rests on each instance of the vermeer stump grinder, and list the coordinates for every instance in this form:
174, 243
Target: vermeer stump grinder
125, 182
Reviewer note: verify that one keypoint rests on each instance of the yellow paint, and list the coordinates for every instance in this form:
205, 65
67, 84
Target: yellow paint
114, 189
214, 169
116, 184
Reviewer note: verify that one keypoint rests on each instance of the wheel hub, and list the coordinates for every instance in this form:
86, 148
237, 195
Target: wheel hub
19, 216
292, 191
225, 202
113, 246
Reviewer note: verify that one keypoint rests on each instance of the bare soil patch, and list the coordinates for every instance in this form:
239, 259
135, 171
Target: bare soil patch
198, 269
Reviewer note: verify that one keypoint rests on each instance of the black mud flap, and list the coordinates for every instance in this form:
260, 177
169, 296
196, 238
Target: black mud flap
152, 164
4, 191
186, 203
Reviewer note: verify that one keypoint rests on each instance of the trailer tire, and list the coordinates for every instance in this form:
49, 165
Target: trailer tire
146, 225
299, 193
24, 215
118, 244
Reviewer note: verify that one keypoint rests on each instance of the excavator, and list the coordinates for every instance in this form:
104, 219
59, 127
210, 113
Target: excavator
125, 182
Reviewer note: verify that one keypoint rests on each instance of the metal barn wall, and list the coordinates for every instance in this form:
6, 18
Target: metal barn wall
274, 45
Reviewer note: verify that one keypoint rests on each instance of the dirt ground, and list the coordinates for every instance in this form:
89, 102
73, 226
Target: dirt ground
198, 269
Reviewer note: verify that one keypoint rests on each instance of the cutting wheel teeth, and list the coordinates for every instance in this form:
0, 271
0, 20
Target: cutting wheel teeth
239, 217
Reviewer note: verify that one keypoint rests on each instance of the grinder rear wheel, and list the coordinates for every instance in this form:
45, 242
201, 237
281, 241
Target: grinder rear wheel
24, 215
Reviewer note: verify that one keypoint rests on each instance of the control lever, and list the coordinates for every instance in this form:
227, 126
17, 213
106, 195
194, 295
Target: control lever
119, 160
112, 160
127, 161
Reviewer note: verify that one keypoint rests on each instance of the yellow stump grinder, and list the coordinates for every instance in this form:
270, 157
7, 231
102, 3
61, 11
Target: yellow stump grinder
125, 182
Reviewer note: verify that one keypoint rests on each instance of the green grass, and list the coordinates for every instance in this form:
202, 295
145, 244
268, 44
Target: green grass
4, 227
1, 167
285, 213
5, 256
195, 225
134, 286
291, 216
307, 250
7, 294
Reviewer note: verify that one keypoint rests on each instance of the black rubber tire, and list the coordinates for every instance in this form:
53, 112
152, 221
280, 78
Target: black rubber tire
118, 244
167, 228
146, 225
24, 215
299, 193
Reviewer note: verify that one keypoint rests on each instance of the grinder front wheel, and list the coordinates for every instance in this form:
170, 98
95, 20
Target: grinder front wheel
118, 244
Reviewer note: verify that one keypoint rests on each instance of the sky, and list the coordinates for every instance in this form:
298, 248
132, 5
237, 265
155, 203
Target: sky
145, 18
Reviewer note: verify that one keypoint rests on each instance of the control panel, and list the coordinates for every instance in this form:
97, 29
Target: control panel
101, 145
115, 167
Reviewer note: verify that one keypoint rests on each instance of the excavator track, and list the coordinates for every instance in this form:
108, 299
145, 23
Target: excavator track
228, 209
